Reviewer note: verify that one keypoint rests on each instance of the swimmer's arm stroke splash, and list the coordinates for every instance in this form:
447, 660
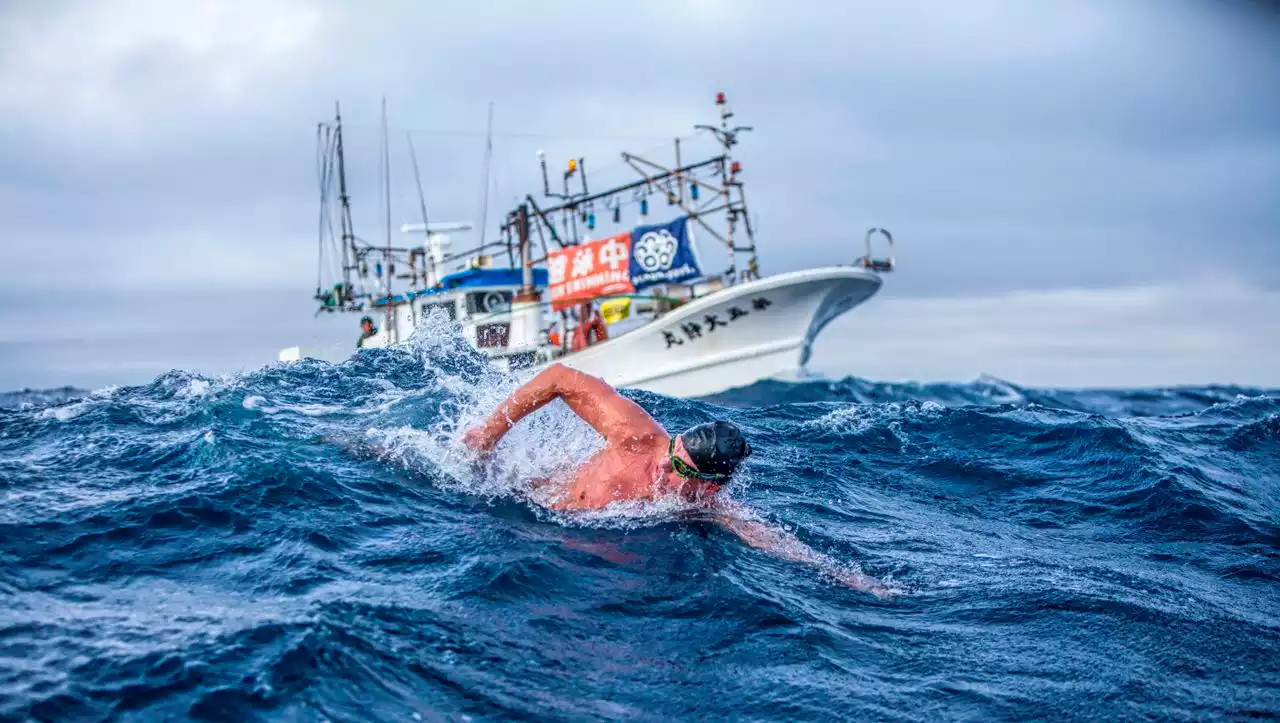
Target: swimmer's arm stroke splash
623, 423
780, 543
618, 419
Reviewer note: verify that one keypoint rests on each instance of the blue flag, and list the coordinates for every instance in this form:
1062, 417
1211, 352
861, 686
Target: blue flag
663, 253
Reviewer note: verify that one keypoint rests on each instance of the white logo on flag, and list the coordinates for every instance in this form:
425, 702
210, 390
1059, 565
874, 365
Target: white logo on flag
656, 250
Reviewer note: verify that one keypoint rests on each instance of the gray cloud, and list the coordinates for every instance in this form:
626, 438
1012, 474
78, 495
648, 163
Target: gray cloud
161, 148
1138, 336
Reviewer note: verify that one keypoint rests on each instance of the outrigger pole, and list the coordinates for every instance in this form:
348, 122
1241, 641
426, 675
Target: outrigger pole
580, 200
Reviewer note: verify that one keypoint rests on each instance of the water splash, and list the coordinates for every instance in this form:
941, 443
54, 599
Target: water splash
219, 547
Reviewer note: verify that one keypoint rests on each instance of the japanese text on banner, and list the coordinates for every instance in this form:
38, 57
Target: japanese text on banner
590, 270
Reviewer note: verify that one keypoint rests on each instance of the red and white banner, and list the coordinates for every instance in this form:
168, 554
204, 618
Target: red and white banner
590, 270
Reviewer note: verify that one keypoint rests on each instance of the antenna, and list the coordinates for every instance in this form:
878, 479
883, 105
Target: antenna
546, 182
488, 156
422, 199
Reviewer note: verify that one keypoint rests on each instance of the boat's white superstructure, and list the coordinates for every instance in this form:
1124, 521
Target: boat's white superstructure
686, 336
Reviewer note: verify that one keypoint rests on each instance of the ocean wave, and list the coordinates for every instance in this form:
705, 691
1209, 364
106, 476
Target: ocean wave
309, 541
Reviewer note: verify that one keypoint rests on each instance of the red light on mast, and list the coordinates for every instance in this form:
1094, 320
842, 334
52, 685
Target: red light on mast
720, 98
735, 167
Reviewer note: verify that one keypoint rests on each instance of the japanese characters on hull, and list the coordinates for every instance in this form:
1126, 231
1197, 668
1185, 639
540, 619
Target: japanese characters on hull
693, 331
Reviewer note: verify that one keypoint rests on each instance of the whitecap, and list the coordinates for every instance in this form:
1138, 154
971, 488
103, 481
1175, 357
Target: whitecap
195, 388
67, 411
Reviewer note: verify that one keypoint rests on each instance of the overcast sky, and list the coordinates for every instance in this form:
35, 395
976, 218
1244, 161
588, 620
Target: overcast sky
1085, 192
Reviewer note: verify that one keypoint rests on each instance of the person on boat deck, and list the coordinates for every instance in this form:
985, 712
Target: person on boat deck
642, 462
553, 335
590, 330
367, 329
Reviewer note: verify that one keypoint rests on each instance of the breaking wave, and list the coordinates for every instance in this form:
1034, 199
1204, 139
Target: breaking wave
225, 548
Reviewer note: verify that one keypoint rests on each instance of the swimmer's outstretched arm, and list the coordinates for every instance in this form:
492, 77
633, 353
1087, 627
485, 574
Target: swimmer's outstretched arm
781, 543
615, 417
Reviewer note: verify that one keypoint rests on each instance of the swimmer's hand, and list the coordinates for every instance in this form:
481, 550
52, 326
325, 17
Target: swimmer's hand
482, 438
861, 582
781, 543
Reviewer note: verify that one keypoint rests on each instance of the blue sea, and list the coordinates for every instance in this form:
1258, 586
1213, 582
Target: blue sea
223, 548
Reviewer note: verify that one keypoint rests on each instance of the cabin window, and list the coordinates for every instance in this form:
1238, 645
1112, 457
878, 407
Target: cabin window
489, 336
450, 309
488, 302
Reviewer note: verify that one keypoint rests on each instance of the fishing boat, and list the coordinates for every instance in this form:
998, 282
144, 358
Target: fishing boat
637, 307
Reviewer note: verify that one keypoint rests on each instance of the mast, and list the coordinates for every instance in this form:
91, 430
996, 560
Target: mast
422, 205
488, 159
349, 253
389, 268
526, 305
526, 268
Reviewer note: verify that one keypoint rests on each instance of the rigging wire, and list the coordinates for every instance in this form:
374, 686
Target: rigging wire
326, 144
323, 203
330, 147
488, 157
538, 135
422, 205
335, 259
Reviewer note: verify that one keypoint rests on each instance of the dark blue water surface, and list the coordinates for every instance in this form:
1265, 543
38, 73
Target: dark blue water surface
205, 548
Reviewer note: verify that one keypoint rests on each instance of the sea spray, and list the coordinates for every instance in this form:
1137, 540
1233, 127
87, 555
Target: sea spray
211, 547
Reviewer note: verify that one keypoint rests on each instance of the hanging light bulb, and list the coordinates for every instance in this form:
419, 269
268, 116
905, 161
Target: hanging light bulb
693, 191
644, 207
591, 220
617, 214
377, 269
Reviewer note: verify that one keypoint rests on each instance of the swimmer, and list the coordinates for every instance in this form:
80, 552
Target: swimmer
642, 462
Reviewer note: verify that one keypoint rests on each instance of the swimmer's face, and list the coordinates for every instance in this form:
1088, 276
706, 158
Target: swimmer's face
690, 488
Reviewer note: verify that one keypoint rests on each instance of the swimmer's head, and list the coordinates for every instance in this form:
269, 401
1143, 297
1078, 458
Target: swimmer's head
715, 448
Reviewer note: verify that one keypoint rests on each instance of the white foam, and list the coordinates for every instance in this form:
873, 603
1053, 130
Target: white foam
856, 419
846, 420
549, 443
66, 411
195, 388
258, 403
630, 514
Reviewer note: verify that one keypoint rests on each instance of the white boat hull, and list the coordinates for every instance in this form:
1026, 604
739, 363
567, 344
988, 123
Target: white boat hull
767, 340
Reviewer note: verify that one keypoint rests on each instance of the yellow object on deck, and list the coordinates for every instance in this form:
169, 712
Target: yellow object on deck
615, 310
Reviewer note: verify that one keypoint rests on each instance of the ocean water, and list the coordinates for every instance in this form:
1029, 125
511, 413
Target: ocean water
227, 548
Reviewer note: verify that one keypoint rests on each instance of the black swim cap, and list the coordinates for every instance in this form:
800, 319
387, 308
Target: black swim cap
715, 447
